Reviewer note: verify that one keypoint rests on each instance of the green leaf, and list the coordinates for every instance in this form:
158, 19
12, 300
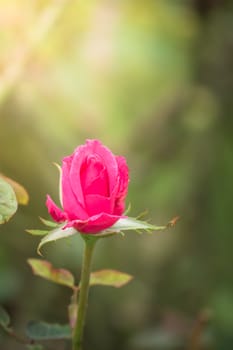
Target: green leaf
35, 347
45, 269
43, 331
4, 317
37, 232
8, 202
20, 192
56, 234
112, 278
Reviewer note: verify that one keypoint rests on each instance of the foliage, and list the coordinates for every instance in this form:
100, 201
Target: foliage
110, 278
44, 331
11, 193
8, 204
46, 270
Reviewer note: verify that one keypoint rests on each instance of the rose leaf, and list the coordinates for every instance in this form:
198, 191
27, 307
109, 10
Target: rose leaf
38, 330
45, 269
20, 192
112, 278
8, 202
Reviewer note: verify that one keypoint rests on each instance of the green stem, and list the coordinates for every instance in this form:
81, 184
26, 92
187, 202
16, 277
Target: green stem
83, 294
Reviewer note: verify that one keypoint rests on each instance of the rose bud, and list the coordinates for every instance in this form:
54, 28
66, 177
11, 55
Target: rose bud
94, 184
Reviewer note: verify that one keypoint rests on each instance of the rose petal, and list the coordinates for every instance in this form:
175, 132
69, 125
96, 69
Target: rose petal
97, 204
123, 174
119, 206
94, 177
123, 186
90, 169
78, 160
108, 159
57, 214
71, 204
94, 224
99, 185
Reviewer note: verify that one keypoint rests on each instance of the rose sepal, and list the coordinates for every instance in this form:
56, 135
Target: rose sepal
123, 224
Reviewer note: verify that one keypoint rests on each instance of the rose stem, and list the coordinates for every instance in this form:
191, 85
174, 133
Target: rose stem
83, 294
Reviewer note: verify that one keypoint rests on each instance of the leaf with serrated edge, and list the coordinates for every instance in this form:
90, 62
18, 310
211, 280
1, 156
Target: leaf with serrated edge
38, 232
56, 234
43, 331
45, 269
112, 278
4, 317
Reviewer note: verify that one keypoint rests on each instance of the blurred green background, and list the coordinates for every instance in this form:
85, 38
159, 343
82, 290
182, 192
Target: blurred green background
152, 79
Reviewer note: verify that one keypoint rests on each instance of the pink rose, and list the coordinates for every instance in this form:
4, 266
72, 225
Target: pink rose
94, 184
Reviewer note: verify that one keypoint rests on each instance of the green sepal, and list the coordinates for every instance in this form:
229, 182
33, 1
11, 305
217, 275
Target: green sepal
56, 234
37, 232
60, 182
48, 222
123, 224
126, 224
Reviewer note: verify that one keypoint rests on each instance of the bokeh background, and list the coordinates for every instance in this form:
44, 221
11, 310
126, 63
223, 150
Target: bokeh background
152, 79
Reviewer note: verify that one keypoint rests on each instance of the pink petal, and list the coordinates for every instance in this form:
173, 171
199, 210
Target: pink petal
97, 204
123, 174
57, 214
71, 204
90, 169
108, 159
78, 160
94, 224
123, 186
94, 178
119, 206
